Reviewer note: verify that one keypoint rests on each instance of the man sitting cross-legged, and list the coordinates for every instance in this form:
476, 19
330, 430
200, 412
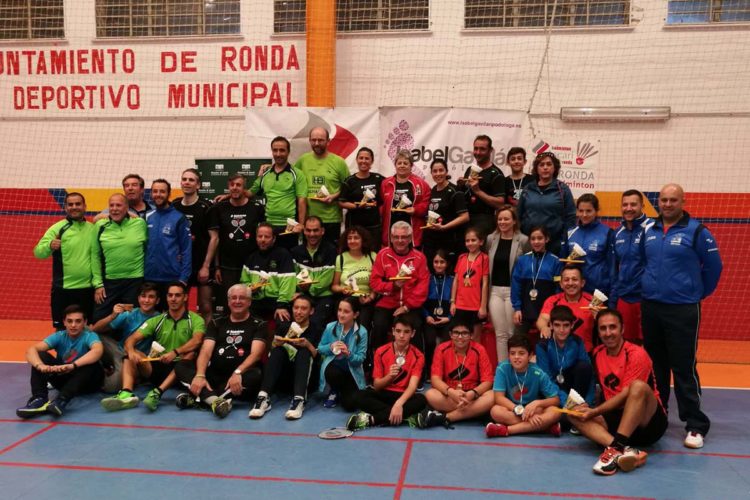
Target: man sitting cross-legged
229, 360
631, 414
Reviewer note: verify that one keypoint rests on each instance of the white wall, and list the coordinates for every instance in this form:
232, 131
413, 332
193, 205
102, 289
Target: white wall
697, 72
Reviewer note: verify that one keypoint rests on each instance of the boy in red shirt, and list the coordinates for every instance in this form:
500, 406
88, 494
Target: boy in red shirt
397, 370
631, 413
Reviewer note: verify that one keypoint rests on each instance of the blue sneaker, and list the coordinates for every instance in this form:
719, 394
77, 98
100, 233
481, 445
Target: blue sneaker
332, 400
35, 406
57, 407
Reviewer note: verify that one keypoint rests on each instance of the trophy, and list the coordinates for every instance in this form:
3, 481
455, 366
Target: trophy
351, 284
294, 332
304, 277
265, 279
322, 193
575, 255
432, 218
403, 203
474, 172
404, 273
290, 225
368, 197
156, 350
597, 301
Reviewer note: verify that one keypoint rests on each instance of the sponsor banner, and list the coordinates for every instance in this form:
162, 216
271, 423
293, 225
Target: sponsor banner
215, 173
579, 161
429, 133
448, 134
349, 129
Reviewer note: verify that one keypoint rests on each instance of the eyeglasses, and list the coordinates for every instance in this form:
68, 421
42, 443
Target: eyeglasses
460, 333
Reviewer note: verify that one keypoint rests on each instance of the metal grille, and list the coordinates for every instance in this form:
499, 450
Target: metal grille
147, 18
543, 13
31, 19
708, 11
358, 15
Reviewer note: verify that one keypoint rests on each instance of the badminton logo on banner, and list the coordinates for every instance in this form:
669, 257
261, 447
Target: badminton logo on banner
579, 160
427, 133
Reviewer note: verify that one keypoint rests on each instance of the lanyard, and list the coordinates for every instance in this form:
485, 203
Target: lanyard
520, 385
557, 355
442, 288
534, 278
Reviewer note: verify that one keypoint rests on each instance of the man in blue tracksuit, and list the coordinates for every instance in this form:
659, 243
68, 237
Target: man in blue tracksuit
682, 267
625, 295
169, 249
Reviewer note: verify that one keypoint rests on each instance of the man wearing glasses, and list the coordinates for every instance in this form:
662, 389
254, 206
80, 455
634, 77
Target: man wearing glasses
461, 380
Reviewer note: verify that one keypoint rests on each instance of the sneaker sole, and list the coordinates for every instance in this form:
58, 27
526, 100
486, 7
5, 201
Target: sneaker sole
292, 417
54, 411
628, 463
693, 446
257, 416
605, 472
118, 404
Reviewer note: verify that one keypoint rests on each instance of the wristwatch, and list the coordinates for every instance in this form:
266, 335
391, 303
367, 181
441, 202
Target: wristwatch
238, 372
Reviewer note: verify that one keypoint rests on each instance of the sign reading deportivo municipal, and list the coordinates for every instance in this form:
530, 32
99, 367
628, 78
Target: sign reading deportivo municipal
145, 81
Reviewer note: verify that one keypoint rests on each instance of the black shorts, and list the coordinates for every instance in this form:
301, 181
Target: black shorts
642, 436
160, 371
470, 317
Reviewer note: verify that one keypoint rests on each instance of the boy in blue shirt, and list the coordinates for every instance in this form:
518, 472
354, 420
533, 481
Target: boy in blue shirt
118, 326
75, 370
564, 359
525, 397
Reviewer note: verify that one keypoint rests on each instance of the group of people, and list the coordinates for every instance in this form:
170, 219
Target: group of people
590, 322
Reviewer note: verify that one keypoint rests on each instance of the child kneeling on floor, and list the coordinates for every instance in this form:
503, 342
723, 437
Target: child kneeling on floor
396, 372
525, 397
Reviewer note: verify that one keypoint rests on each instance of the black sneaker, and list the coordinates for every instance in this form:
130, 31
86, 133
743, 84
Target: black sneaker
34, 406
430, 418
185, 400
57, 407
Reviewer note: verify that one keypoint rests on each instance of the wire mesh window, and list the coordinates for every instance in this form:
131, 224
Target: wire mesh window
146, 18
543, 13
708, 11
358, 15
31, 19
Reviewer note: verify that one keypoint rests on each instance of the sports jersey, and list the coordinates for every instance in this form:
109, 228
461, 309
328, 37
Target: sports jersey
470, 370
583, 326
169, 251
513, 188
387, 265
533, 271
492, 182
615, 373
628, 262
234, 341
360, 269
119, 249
449, 202
277, 262
237, 226
171, 333
597, 240
469, 297
319, 264
71, 264
127, 322
523, 388
420, 201
352, 190
385, 357
281, 190
330, 171
197, 216
554, 359
401, 189
69, 348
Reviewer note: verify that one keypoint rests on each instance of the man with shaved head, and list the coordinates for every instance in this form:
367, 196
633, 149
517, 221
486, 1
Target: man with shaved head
117, 257
682, 267
322, 168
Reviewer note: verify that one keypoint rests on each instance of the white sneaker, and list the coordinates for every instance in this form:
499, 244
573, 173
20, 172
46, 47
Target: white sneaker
261, 406
295, 409
694, 440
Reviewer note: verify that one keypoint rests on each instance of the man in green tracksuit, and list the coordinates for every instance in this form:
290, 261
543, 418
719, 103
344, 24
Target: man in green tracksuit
117, 256
269, 271
68, 242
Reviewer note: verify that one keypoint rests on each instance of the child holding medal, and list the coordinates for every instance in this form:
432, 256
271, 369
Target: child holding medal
470, 290
533, 280
525, 397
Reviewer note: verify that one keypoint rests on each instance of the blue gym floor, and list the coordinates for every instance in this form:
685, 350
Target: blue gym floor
90, 454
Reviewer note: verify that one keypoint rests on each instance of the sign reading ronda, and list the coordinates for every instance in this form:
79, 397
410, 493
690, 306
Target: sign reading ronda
146, 81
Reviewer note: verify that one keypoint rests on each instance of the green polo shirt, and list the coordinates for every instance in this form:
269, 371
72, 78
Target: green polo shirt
71, 265
118, 249
330, 171
170, 333
281, 191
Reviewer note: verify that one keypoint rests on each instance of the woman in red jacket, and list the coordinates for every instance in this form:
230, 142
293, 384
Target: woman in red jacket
405, 198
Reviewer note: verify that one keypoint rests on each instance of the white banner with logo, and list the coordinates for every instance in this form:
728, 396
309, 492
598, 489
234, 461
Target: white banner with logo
579, 160
429, 133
